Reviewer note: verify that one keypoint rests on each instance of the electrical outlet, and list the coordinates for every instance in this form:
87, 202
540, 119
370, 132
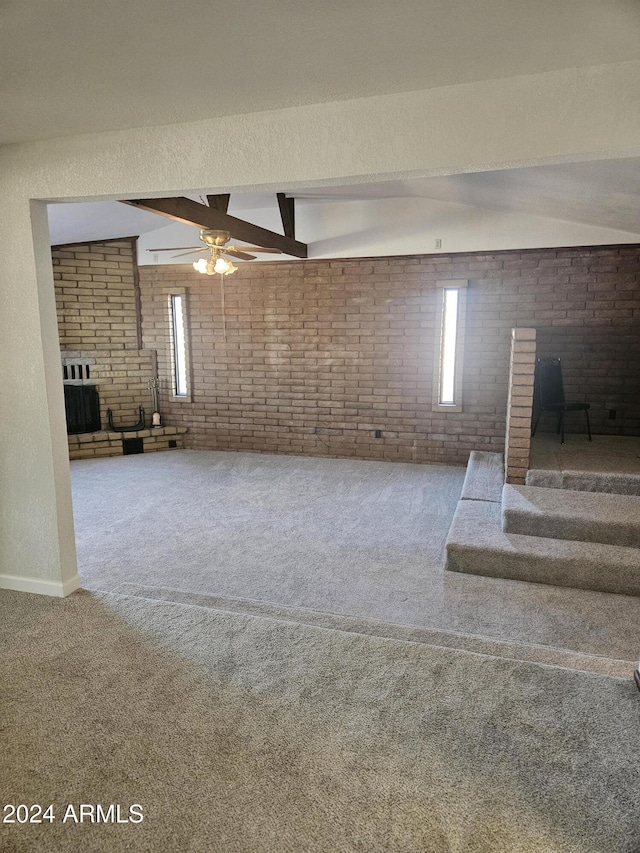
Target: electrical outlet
438, 243
378, 433
155, 257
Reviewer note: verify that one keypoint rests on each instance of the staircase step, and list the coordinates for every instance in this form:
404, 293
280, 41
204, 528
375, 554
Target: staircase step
610, 519
484, 645
604, 482
477, 545
484, 478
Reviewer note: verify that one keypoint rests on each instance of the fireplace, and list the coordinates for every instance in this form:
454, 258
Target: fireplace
82, 406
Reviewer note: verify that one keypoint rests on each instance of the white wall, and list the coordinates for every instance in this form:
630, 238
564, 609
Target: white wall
552, 117
400, 226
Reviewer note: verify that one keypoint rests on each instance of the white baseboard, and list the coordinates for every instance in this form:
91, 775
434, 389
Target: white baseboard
59, 589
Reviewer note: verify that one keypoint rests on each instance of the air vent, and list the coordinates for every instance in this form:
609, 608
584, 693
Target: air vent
76, 371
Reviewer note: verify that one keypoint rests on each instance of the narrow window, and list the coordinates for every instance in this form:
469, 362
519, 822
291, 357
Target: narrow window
448, 355
179, 346
450, 346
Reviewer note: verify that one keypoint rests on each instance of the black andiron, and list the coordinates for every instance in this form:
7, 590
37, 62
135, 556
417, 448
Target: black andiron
132, 428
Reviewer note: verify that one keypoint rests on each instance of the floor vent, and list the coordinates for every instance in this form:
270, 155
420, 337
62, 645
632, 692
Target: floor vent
131, 446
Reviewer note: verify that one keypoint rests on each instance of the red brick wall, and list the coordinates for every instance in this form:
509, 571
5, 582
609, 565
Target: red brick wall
320, 354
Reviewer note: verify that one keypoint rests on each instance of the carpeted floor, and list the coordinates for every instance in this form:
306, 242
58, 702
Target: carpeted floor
615, 454
347, 537
239, 734
270, 658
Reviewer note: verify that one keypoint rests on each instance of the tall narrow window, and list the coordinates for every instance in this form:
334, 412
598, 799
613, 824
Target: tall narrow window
179, 347
448, 353
450, 346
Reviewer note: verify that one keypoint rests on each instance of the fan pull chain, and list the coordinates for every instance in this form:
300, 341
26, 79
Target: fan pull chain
224, 317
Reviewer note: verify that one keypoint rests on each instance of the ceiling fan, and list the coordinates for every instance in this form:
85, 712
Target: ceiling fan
215, 242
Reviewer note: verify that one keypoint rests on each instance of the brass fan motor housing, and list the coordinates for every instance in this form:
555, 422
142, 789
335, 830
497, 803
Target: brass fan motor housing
214, 238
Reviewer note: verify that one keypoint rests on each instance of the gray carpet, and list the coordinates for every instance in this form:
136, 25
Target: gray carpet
241, 734
346, 537
339, 535
610, 519
484, 478
477, 543
609, 463
357, 625
615, 454
565, 514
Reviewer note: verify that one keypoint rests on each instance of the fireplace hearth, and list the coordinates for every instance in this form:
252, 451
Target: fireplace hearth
82, 407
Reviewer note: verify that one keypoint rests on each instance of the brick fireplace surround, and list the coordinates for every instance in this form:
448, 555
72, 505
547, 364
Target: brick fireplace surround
97, 298
321, 357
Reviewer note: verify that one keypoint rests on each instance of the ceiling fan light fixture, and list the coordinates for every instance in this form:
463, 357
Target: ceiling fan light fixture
215, 263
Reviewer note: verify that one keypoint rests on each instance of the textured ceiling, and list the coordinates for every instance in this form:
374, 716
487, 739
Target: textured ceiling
78, 66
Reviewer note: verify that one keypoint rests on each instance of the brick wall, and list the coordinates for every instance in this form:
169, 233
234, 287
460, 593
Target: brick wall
599, 368
321, 354
519, 405
98, 303
96, 295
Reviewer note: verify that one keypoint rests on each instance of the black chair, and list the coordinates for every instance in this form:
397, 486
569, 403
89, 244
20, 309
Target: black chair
548, 395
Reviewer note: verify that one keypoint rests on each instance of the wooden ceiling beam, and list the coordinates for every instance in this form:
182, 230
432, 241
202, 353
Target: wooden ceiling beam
219, 202
288, 215
200, 216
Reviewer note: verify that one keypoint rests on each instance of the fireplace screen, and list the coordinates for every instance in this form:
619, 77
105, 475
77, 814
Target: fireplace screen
82, 405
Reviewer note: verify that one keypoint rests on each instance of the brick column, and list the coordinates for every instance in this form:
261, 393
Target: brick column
520, 404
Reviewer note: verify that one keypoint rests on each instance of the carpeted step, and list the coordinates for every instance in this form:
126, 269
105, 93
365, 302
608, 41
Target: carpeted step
581, 516
607, 482
484, 478
531, 652
477, 545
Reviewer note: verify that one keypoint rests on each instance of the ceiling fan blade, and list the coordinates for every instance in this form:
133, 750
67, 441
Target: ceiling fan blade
173, 249
190, 252
236, 253
256, 249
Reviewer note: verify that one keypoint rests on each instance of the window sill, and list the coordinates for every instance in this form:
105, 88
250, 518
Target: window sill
443, 407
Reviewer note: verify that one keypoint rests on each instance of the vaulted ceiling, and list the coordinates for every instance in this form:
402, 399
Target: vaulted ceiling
603, 195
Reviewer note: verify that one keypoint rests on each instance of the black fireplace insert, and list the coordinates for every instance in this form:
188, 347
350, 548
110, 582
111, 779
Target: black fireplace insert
82, 405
